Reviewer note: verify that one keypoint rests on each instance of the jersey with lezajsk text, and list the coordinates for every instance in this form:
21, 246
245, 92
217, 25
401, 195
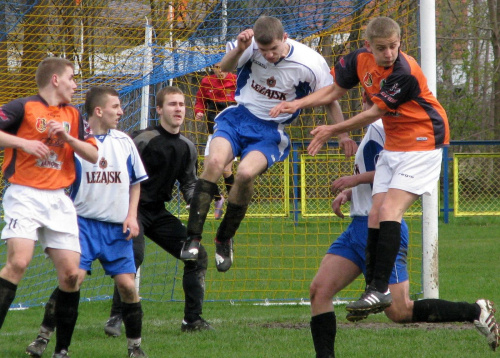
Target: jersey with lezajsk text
261, 85
27, 118
101, 191
415, 120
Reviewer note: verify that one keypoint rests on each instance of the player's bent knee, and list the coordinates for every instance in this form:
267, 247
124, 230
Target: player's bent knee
244, 176
70, 280
319, 294
214, 165
128, 292
17, 267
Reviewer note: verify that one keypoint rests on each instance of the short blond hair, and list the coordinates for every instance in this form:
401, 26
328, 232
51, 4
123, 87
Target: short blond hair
382, 27
49, 67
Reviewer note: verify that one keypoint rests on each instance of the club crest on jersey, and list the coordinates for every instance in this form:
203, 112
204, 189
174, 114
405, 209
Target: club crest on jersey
103, 163
51, 162
271, 82
41, 124
368, 79
66, 127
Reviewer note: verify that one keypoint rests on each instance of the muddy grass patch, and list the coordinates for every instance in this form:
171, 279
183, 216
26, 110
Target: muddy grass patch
375, 325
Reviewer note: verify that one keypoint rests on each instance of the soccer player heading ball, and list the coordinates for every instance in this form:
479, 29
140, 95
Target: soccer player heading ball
271, 68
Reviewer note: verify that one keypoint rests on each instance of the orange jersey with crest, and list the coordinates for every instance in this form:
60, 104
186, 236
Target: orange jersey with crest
415, 120
27, 118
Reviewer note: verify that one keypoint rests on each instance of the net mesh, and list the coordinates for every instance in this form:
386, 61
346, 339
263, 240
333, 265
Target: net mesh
140, 46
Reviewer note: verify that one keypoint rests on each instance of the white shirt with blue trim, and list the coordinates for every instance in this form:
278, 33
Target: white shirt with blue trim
365, 161
101, 190
261, 85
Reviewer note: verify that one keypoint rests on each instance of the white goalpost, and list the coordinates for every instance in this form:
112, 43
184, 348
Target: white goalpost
430, 204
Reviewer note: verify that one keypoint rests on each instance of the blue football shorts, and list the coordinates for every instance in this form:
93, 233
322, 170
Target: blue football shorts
107, 243
248, 133
351, 244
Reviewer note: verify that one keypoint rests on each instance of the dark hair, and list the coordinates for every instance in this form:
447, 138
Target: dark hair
50, 66
96, 97
267, 29
160, 96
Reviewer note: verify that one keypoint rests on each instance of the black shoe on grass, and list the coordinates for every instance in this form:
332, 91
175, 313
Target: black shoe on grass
113, 326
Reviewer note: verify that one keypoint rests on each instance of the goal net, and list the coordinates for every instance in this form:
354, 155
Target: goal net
139, 46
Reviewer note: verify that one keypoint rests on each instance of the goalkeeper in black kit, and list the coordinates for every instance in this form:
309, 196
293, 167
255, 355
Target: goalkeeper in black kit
168, 157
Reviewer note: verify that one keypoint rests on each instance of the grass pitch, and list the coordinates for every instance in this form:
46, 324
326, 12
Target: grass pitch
469, 252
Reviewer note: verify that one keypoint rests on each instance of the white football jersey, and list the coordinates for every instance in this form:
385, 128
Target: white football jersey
261, 85
365, 161
101, 190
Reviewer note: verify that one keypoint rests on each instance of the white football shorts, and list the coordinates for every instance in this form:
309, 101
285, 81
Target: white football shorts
414, 172
44, 215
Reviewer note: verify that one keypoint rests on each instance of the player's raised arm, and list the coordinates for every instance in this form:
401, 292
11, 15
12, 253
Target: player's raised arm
230, 59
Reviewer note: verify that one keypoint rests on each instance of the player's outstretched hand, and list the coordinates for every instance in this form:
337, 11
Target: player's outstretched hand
199, 116
337, 203
348, 145
36, 148
284, 107
321, 135
244, 39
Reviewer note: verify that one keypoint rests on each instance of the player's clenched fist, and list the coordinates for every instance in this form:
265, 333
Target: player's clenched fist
245, 39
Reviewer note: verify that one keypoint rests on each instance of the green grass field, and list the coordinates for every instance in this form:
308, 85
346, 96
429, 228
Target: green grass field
469, 253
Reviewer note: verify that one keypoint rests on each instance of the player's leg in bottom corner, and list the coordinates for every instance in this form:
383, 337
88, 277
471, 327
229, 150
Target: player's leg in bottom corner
486, 323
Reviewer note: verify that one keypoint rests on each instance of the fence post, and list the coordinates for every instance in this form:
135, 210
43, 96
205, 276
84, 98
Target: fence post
446, 186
